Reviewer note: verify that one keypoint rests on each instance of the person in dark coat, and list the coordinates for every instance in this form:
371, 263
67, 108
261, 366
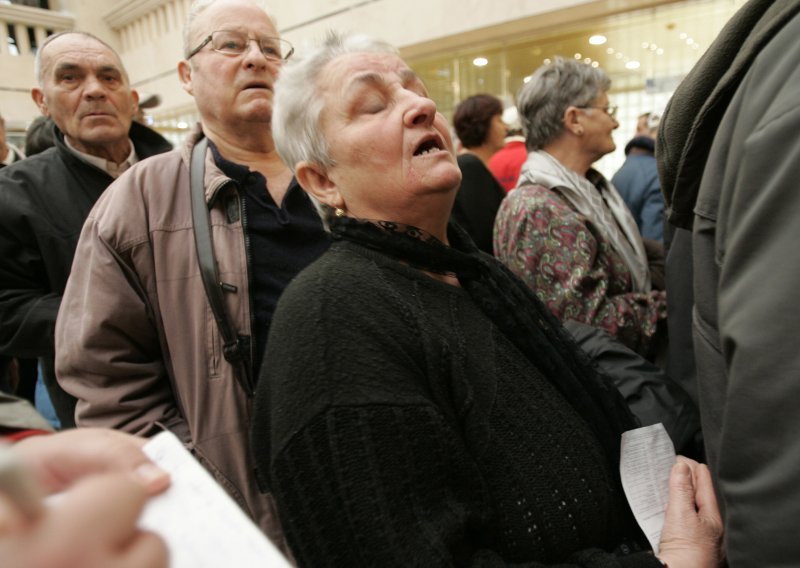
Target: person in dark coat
45, 199
729, 158
638, 185
8, 152
479, 125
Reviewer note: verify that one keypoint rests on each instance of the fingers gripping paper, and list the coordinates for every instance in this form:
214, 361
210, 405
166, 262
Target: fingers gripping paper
646, 461
202, 526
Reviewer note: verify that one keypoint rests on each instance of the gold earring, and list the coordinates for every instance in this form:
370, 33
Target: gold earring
340, 212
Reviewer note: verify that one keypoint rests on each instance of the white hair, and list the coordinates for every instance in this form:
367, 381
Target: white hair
552, 88
298, 104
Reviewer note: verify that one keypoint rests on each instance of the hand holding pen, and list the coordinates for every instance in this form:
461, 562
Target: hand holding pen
105, 479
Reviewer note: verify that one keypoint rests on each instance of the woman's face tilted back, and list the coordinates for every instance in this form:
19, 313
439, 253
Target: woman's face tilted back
392, 152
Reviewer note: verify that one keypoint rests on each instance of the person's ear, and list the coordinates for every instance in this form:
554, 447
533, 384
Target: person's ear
135, 98
185, 75
315, 180
572, 120
38, 97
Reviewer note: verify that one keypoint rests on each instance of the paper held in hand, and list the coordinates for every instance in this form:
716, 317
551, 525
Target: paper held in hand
647, 457
202, 526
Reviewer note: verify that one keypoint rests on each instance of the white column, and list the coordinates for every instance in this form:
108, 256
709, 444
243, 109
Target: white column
23, 43
3, 38
40, 34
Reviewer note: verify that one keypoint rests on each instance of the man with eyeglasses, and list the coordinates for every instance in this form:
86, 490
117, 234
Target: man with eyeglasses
138, 341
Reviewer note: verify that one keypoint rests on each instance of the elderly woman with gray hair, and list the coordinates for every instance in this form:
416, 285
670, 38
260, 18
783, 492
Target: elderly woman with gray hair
417, 405
565, 230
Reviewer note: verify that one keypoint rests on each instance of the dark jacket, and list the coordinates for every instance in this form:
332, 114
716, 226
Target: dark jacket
651, 394
685, 134
44, 201
637, 183
745, 218
477, 201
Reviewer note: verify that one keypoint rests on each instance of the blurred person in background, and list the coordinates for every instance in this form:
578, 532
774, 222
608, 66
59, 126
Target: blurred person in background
39, 136
565, 230
508, 160
478, 122
637, 182
8, 152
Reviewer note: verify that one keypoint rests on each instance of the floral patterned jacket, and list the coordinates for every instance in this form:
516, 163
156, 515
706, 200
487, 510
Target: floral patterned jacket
569, 265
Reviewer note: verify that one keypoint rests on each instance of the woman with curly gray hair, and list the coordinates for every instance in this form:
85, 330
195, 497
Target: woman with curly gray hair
565, 230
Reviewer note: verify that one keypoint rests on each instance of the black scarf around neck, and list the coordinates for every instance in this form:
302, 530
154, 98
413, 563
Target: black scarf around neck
514, 309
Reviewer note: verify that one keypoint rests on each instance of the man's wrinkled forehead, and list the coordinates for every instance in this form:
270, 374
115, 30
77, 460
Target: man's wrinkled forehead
239, 15
73, 50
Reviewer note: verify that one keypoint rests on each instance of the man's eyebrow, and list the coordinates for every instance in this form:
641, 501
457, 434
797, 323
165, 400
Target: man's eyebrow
62, 67
109, 69
67, 66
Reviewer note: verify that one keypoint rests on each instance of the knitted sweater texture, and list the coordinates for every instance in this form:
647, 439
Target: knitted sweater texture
396, 426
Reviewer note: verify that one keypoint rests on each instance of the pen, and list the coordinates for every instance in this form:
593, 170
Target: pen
19, 485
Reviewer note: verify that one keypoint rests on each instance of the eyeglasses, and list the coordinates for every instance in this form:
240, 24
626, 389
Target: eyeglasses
236, 43
610, 110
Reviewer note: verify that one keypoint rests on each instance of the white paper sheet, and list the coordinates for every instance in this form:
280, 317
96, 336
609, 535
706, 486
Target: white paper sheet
646, 461
202, 526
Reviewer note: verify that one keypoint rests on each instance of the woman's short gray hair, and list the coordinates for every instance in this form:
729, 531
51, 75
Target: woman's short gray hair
552, 88
298, 101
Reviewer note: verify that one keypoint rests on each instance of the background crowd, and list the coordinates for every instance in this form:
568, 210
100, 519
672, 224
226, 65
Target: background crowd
395, 340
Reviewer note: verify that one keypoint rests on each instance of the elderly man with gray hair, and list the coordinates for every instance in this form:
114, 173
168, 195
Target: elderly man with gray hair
177, 274
44, 199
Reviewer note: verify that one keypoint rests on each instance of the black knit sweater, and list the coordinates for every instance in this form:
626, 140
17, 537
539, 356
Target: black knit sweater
396, 426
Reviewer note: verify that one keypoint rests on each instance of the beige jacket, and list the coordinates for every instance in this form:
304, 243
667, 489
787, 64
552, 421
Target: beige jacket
136, 340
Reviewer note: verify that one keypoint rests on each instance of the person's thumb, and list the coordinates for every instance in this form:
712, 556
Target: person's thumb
681, 494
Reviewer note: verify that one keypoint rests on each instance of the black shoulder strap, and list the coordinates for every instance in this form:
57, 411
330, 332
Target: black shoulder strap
235, 348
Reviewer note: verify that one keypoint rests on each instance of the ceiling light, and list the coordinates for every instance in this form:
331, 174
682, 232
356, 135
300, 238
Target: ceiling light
480, 62
660, 51
587, 60
595, 64
689, 41
633, 64
610, 50
528, 77
547, 62
598, 39
645, 45
683, 36
618, 55
578, 56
